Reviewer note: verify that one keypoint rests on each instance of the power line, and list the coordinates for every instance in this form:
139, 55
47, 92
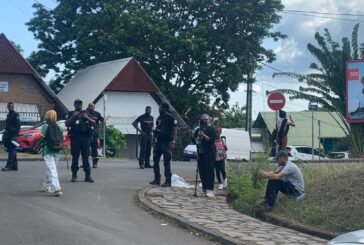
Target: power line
323, 13
323, 17
20, 9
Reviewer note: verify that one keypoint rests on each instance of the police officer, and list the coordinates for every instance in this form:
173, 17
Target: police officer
80, 128
146, 127
96, 116
165, 136
12, 128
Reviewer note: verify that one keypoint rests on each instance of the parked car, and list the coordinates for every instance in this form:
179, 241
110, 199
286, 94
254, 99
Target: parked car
354, 237
30, 140
338, 155
23, 127
300, 153
238, 143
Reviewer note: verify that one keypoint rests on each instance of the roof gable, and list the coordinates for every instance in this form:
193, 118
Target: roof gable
123, 75
132, 78
10, 59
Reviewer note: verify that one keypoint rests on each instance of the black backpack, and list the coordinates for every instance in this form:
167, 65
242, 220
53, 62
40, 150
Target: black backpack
54, 137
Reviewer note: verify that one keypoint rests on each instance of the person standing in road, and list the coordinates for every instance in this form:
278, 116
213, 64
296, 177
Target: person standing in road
12, 128
79, 126
146, 122
205, 138
96, 116
165, 135
52, 133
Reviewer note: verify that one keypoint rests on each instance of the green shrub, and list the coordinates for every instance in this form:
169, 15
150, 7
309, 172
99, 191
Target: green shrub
246, 187
115, 141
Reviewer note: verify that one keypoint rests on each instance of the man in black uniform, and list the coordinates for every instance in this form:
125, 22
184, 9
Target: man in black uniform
165, 136
12, 128
146, 127
80, 128
96, 116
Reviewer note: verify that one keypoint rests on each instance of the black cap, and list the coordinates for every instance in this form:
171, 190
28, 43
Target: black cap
282, 154
77, 101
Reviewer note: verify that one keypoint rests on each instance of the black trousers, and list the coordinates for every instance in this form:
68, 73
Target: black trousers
80, 145
206, 170
145, 149
274, 186
220, 170
162, 148
12, 161
93, 144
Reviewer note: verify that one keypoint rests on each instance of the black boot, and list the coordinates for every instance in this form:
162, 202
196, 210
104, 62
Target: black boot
94, 162
155, 182
147, 165
167, 183
74, 177
88, 177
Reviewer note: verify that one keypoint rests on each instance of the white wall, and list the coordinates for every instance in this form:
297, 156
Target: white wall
122, 108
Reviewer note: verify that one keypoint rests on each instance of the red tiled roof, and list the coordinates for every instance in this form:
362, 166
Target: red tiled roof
10, 59
132, 78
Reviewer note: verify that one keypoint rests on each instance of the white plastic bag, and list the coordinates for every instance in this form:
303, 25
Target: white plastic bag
178, 181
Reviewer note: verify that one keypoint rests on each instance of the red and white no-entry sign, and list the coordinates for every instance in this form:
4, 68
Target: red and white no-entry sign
276, 101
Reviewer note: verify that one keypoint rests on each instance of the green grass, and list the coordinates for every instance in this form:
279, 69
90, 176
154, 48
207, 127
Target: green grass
334, 194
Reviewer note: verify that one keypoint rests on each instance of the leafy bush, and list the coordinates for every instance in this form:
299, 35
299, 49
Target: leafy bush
115, 141
246, 187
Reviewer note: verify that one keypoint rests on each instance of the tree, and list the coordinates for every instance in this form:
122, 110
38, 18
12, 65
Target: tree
196, 51
326, 85
233, 118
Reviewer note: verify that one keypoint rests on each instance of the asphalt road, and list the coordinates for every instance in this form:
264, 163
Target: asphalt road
100, 213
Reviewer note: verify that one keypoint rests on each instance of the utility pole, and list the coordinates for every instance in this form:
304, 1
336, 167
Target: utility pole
249, 100
104, 100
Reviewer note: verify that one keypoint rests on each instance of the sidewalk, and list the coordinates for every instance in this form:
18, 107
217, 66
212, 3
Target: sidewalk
216, 218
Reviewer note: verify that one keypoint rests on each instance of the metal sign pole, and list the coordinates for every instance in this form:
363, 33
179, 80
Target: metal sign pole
319, 137
104, 99
312, 138
277, 132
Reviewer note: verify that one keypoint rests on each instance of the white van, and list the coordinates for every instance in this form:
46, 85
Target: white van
237, 141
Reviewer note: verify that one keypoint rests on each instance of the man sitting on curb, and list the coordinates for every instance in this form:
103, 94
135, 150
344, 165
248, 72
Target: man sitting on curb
287, 178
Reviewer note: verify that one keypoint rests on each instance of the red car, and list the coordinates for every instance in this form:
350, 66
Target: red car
30, 140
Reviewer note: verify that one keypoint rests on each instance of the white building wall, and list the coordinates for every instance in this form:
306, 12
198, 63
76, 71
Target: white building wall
122, 108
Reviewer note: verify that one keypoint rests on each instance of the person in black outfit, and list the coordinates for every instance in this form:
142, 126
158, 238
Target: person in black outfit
204, 138
80, 129
12, 128
146, 127
165, 135
96, 116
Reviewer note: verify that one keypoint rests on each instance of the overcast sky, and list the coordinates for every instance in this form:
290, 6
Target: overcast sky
292, 54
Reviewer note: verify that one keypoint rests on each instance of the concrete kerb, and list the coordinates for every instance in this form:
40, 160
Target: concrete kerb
274, 219
142, 199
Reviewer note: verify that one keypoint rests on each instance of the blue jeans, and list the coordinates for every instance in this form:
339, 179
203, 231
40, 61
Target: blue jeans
274, 186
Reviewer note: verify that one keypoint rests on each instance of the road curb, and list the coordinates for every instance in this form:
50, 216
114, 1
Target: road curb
274, 219
142, 199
